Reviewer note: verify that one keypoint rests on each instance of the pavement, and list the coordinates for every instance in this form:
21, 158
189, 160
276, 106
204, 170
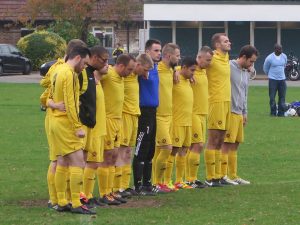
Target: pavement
34, 77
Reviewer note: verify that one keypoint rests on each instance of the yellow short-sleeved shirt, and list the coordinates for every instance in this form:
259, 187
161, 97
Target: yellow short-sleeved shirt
131, 95
200, 91
165, 89
113, 88
182, 103
218, 76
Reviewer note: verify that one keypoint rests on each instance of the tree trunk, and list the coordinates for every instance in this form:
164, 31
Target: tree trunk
84, 29
127, 32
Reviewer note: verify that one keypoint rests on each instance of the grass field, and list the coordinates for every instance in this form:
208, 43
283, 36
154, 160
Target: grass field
269, 158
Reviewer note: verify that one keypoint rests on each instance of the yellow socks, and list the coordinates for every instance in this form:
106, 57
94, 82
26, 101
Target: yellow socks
193, 162
61, 176
187, 169
103, 174
218, 164
118, 179
180, 166
210, 160
76, 175
88, 181
169, 169
111, 177
126, 175
224, 164
232, 164
51, 185
161, 164
156, 153
68, 191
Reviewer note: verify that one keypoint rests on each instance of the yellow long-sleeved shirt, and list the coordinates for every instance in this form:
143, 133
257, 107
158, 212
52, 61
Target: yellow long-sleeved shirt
100, 127
218, 75
113, 88
165, 89
131, 95
46, 82
65, 87
200, 91
182, 102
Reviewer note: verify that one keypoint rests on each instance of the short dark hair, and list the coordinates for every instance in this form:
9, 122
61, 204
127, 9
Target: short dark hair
124, 59
78, 50
248, 51
73, 43
150, 42
98, 50
216, 38
188, 62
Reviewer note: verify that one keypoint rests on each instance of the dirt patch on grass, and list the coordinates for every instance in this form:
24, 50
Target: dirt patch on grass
34, 203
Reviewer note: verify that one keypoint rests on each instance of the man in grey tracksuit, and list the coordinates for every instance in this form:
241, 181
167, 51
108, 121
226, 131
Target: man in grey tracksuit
240, 71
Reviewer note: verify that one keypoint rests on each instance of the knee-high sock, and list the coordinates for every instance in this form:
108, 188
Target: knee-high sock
224, 164
193, 165
138, 168
147, 173
210, 160
169, 169
232, 164
111, 177
187, 169
156, 153
102, 174
68, 191
118, 179
61, 177
126, 176
76, 178
180, 165
218, 154
89, 181
161, 164
51, 185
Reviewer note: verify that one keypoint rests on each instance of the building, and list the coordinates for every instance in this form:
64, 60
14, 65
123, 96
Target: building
104, 25
191, 24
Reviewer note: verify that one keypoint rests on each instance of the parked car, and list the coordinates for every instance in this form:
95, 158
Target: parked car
12, 60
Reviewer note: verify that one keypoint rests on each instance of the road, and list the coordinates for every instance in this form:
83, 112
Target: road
34, 77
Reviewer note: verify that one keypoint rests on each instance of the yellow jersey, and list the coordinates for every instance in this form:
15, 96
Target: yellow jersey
65, 88
182, 102
113, 88
165, 75
200, 90
218, 76
131, 95
100, 127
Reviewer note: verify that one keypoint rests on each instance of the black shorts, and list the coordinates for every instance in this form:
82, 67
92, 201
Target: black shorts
145, 141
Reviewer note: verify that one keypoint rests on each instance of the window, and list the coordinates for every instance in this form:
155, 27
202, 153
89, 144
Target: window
105, 35
4, 49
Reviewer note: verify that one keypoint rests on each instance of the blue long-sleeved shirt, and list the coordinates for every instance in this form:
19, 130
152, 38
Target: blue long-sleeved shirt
149, 89
274, 66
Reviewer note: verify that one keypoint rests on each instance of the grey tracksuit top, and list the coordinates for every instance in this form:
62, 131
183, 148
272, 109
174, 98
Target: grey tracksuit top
239, 79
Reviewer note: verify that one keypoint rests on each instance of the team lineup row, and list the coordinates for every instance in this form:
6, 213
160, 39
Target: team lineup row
150, 108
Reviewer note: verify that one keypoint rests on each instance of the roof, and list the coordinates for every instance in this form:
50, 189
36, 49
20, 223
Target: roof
14, 10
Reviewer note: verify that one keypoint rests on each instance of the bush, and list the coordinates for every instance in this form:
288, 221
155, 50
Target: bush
41, 47
92, 40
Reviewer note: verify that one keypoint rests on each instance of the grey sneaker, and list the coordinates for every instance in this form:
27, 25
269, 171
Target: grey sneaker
241, 181
226, 181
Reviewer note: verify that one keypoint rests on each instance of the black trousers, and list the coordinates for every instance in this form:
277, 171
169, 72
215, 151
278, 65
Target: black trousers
145, 147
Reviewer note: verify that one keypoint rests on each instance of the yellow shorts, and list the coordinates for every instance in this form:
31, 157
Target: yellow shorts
182, 136
113, 130
199, 128
52, 153
235, 133
95, 149
87, 137
163, 130
129, 129
218, 116
64, 139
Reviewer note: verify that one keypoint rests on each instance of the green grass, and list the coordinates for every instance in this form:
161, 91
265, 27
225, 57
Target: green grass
268, 158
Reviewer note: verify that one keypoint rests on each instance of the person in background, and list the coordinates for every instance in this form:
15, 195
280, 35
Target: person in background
274, 67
